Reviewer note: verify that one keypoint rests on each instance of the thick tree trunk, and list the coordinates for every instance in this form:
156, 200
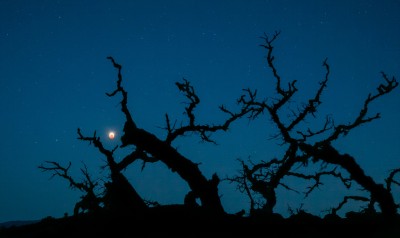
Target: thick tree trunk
121, 197
267, 189
270, 198
378, 193
206, 190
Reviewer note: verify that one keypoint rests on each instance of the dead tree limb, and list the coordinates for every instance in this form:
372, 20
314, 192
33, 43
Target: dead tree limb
345, 200
120, 196
264, 180
390, 179
90, 201
58, 170
204, 130
149, 147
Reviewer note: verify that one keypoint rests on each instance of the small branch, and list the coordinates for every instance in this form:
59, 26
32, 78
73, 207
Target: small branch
317, 179
345, 200
61, 171
390, 179
242, 186
362, 117
313, 103
285, 93
204, 130
135, 155
248, 100
97, 143
329, 124
270, 58
288, 188
190, 94
87, 181
124, 102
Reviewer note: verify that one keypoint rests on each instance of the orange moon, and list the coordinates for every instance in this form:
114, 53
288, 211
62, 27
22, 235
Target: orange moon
111, 135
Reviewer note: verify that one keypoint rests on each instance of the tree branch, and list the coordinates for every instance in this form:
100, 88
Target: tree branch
207, 190
204, 130
317, 179
362, 116
97, 143
135, 155
390, 179
345, 200
129, 123
313, 103
87, 185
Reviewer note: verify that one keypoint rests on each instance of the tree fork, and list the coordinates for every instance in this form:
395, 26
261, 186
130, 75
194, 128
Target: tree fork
206, 190
378, 192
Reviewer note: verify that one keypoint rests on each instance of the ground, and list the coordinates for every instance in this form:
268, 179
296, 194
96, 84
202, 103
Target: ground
178, 221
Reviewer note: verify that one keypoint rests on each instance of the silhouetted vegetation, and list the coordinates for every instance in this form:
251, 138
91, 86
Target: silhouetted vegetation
309, 145
121, 210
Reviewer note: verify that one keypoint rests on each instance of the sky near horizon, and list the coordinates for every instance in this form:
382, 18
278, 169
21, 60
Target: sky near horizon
54, 76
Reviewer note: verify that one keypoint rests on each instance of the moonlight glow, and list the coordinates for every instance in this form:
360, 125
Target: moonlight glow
111, 135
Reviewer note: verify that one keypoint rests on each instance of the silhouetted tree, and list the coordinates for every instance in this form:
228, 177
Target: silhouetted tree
120, 195
150, 148
90, 201
305, 146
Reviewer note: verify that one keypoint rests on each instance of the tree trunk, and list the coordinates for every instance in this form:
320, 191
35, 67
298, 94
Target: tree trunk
206, 190
267, 189
121, 197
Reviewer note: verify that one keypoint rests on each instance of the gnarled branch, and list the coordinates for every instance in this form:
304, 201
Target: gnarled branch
97, 143
58, 170
345, 200
362, 117
204, 130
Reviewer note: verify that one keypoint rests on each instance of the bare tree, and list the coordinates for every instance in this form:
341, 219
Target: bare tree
149, 148
303, 146
90, 201
120, 195
310, 145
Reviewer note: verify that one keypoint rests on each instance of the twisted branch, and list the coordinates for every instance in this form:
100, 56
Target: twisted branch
204, 130
87, 185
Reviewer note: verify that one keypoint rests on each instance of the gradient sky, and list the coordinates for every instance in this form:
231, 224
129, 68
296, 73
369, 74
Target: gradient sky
54, 76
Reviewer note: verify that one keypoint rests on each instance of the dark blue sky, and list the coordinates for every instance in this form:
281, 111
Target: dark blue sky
54, 75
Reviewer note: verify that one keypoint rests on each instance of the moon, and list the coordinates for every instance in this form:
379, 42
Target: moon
111, 135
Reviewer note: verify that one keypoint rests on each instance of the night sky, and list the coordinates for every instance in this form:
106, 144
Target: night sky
54, 76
